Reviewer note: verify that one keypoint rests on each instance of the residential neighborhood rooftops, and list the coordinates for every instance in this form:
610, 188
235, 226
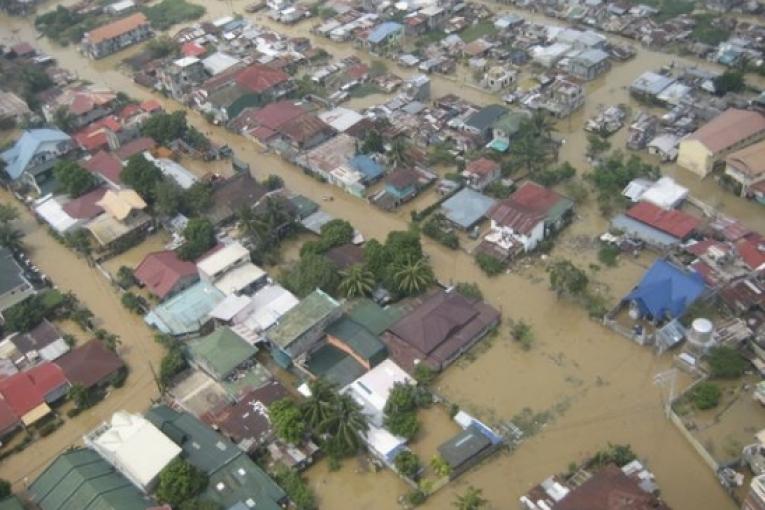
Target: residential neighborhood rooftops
606, 486
89, 364
463, 447
275, 115
222, 259
666, 291
383, 31
221, 352
749, 161
258, 78
137, 146
526, 207
119, 204
116, 28
729, 128
675, 223
313, 308
233, 194
161, 271
19, 156
187, 311
467, 207
372, 389
364, 343
371, 315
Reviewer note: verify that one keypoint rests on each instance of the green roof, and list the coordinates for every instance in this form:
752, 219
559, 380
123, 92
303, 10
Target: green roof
311, 310
221, 352
242, 480
202, 446
81, 480
359, 339
11, 503
334, 365
372, 316
463, 447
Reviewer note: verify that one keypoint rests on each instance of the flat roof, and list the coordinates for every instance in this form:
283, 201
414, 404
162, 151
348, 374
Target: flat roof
239, 278
223, 258
463, 447
372, 389
312, 309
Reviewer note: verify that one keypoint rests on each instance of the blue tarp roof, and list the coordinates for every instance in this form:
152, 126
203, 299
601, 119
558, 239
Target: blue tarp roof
666, 291
383, 30
367, 166
18, 157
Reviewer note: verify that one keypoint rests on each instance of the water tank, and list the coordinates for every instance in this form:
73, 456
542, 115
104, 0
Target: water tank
700, 335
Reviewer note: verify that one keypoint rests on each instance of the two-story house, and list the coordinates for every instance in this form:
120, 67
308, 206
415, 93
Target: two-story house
114, 36
30, 160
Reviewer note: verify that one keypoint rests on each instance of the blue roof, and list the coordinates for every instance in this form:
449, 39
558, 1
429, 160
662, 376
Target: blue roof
367, 166
17, 158
666, 291
383, 30
467, 207
187, 311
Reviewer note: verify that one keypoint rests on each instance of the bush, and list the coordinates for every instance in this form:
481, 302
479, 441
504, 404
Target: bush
706, 395
48, 428
439, 229
297, 490
118, 379
619, 454
608, 254
490, 265
180, 482
469, 290
522, 333
497, 190
555, 175
408, 464
169, 12
726, 363
416, 497
423, 374
131, 302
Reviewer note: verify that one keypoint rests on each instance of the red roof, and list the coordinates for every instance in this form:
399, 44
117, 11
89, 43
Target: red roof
702, 247
137, 146
151, 105
275, 115
161, 271
192, 49
610, 489
358, 71
89, 364
482, 167
85, 207
525, 208
751, 249
95, 135
22, 48
105, 164
26, 390
675, 223
259, 78
8, 418
129, 111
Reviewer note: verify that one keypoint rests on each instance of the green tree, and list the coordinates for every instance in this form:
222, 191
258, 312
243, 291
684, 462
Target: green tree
179, 482
172, 364
470, 290
10, 237
440, 466
729, 81
345, 424
287, 420
162, 46
471, 499
79, 241
132, 302
336, 233
80, 395
198, 237
316, 409
73, 179
168, 198
408, 464
199, 504
726, 363
706, 395
5, 489
373, 143
312, 272
376, 258
125, 277
413, 276
197, 199
141, 175
296, 488
165, 127
400, 411
356, 281
596, 145
523, 334
566, 278
619, 454
25, 315
274, 182
8, 213
64, 119
110, 340
399, 152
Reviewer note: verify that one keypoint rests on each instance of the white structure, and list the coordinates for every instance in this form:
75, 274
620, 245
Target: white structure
548, 56
134, 446
664, 193
340, 119
219, 262
701, 335
177, 172
269, 304
219, 62
52, 212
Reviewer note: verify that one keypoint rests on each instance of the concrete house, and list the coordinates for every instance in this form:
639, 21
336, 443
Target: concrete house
747, 166
83, 104
709, 145
589, 64
480, 123
231, 270
481, 172
181, 76
220, 353
14, 286
499, 78
30, 160
115, 36
385, 35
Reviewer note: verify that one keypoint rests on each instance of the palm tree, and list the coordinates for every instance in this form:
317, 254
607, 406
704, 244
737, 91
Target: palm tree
413, 276
399, 152
316, 409
542, 125
346, 423
471, 500
10, 237
357, 281
8, 213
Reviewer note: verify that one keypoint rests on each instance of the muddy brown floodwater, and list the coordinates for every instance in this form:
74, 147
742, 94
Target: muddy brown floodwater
597, 386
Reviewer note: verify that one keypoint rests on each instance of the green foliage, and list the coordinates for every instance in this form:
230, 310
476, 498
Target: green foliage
373, 143
27, 314
167, 13
439, 228
73, 179
469, 290
79, 241
412, 276
65, 26
566, 278
180, 482
498, 190
477, 30
274, 182
408, 464
490, 265
424, 375
416, 497
199, 236
166, 127
81, 396
125, 277
554, 175
5, 488
726, 363
287, 420
172, 364
199, 504
706, 395
8, 213
608, 254
523, 334
611, 175
132, 302
162, 46
345, 423
356, 281
333, 233
296, 488
310, 273
398, 155
141, 175
167, 197
401, 409
439, 466
729, 81
471, 499
619, 454
708, 31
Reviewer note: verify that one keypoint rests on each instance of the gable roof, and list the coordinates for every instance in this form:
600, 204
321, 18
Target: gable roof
116, 28
749, 161
402, 178
610, 489
259, 78
666, 290
275, 115
673, 222
106, 164
137, 146
345, 255
39, 337
85, 206
365, 344
90, 363
221, 351
81, 479
525, 208
312, 309
728, 129
24, 391
248, 419
482, 167
234, 194
302, 129
119, 204
161, 271
18, 157
486, 116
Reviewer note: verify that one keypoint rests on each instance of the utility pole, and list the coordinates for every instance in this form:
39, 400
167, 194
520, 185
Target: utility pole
663, 379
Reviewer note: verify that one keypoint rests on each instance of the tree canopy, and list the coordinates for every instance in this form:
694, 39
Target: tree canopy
180, 482
141, 175
199, 236
566, 278
313, 271
73, 179
287, 420
726, 362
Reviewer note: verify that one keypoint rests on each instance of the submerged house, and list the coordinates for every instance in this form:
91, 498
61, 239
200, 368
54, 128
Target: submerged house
114, 36
30, 160
665, 292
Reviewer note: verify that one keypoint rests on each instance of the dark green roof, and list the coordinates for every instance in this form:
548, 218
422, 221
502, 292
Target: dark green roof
314, 308
335, 366
81, 480
463, 447
10, 272
242, 480
372, 316
11, 503
359, 339
221, 352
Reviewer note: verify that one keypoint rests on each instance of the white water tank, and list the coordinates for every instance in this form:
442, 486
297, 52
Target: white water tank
700, 335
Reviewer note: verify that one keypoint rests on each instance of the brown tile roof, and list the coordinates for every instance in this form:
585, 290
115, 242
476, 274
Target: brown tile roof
610, 489
402, 177
41, 336
482, 166
275, 115
89, 364
302, 129
137, 146
116, 28
345, 256
234, 194
728, 129
525, 208
86, 206
749, 161
162, 271
259, 78
675, 223
106, 164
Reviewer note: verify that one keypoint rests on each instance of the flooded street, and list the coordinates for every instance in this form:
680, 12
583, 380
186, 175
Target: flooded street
596, 386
